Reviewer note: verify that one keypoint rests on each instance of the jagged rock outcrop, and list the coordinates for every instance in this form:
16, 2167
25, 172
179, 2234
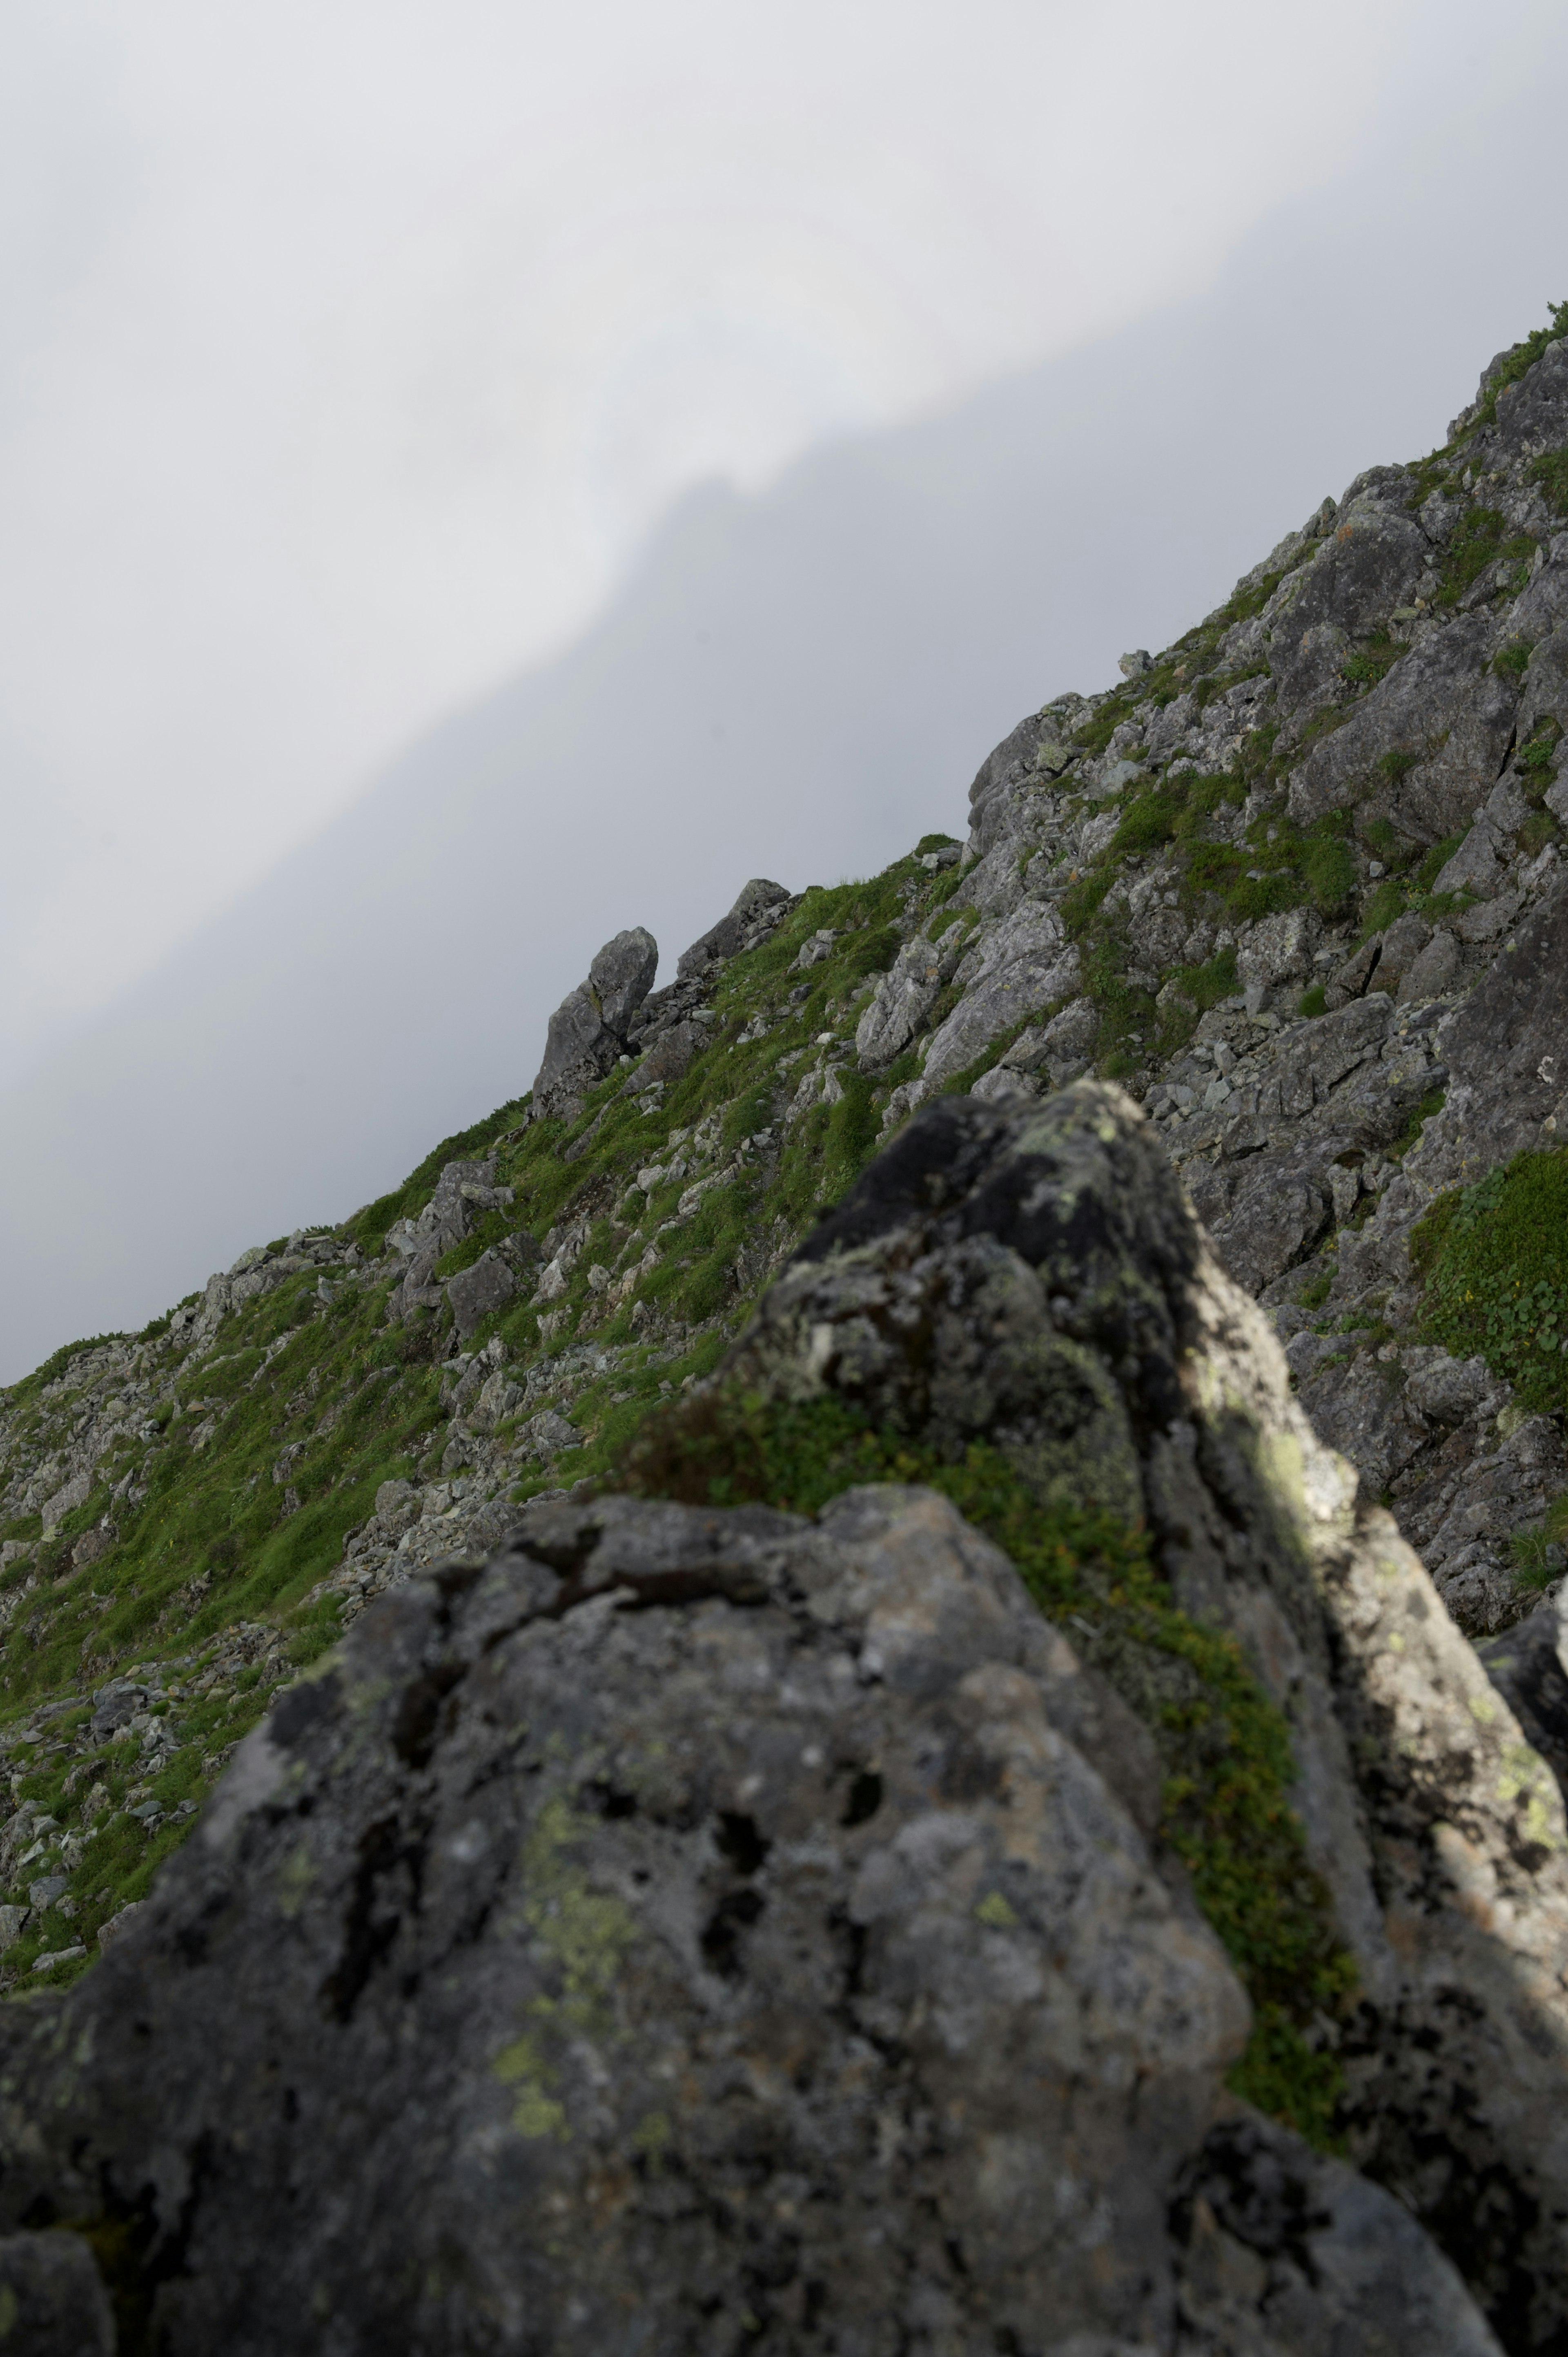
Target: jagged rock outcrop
590, 1031
753, 1931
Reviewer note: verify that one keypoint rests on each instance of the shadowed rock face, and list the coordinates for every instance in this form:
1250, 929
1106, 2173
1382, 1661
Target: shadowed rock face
703, 1929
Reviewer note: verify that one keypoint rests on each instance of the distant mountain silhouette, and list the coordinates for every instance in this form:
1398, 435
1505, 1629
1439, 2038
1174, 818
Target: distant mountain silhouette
795, 684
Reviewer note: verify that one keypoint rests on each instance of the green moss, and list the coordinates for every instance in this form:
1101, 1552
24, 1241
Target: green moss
1224, 1745
1205, 985
1313, 1001
1433, 1102
1383, 904
1494, 1264
1551, 471
1476, 542
1367, 665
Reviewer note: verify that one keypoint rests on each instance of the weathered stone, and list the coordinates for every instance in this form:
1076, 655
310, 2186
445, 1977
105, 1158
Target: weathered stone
545, 1434
758, 907
671, 1055
589, 1030
1432, 968
904, 996
474, 1292
1351, 582
52, 2301
119, 1924
1402, 944
66, 1500
1526, 1665
1023, 965
1448, 1388
942, 1295
1287, 2250
1278, 947
1272, 1219
1443, 703
1364, 1410
689, 1889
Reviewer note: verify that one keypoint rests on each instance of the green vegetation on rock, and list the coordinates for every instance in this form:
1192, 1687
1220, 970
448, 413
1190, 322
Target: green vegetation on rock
1223, 1746
1494, 1262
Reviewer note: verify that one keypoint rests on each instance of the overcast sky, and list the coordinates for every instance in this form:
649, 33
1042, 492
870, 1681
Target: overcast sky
352, 359
350, 348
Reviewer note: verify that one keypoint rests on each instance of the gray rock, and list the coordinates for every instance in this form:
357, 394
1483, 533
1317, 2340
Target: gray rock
1544, 696
1365, 1411
1480, 863
43, 1893
1432, 969
667, 1058
1351, 582
1136, 665
1275, 1217
1008, 766
1399, 947
1020, 968
1285, 2250
758, 907
1443, 693
52, 2301
904, 996
1279, 947
1526, 1665
474, 1292
1449, 1389
989, 1261
1002, 1082
546, 1434
66, 1500
114, 1705
1507, 1051
589, 1030
13, 1919
698, 1906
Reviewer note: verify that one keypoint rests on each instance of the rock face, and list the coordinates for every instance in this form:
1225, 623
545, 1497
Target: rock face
1032, 1277
590, 1029
750, 1930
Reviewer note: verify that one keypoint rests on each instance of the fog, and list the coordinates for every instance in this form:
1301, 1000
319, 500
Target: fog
794, 674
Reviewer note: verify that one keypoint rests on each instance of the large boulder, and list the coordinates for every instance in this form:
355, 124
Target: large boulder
590, 1031
693, 1931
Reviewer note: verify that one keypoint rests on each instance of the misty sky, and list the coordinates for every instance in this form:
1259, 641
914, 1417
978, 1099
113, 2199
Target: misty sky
358, 365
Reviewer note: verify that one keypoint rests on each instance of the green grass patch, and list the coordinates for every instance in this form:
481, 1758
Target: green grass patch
1478, 540
1494, 1264
1551, 471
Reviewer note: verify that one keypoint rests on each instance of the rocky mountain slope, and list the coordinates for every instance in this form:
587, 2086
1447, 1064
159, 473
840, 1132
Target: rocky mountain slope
1295, 888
